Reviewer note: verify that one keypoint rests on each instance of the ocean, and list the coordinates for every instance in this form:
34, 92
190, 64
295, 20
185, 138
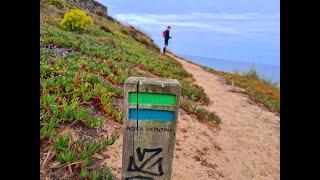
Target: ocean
265, 71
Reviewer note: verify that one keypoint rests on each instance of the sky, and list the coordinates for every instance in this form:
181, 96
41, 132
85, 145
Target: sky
237, 30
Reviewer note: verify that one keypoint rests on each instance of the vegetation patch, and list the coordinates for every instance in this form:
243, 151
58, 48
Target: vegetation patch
259, 90
105, 29
201, 113
76, 158
75, 20
82, 72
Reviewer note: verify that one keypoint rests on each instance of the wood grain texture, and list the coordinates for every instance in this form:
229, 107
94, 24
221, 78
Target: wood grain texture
148, 145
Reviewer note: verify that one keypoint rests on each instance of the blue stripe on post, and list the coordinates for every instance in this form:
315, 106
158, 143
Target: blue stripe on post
151, 114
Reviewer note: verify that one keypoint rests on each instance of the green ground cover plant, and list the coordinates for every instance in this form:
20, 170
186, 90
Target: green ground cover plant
263, 91
81, 81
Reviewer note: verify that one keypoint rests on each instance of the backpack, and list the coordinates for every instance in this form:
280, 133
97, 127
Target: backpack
164, 34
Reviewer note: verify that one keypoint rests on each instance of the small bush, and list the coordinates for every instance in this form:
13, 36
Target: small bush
236, 72
270, 82
84, 174
105, 29
95, 175
251, 73
201, 113
75, 20
107, 174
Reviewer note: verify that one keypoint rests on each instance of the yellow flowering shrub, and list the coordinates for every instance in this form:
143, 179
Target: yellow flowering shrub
75, 20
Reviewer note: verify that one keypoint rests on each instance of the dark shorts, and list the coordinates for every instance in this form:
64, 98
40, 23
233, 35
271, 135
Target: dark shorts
166, 41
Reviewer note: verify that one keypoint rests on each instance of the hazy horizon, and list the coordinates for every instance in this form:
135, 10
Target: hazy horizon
265, 71
226, 60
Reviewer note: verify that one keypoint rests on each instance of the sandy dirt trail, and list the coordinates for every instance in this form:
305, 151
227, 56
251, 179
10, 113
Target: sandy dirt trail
246, 146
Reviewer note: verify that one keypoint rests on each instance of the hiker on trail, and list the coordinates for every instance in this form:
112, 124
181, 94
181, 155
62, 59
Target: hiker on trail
166, 36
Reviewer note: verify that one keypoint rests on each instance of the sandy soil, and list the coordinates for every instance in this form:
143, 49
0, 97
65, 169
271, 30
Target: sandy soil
246, 146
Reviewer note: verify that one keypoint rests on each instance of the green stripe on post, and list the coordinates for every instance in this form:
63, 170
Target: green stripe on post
152, 99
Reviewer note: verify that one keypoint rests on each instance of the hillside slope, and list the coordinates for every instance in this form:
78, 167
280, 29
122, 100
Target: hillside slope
245, 146
82, 75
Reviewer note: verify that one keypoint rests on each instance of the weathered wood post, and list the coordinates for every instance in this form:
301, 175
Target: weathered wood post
150, 121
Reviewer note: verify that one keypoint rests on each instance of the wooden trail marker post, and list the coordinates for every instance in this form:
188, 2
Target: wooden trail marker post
150, 121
